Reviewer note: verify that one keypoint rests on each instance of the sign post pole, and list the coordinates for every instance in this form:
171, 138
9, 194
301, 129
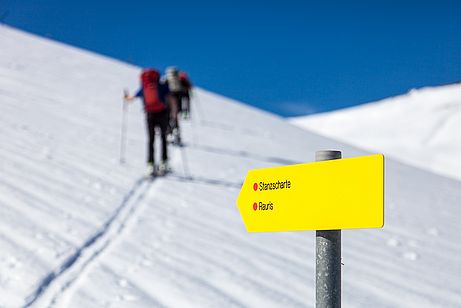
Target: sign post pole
328, 256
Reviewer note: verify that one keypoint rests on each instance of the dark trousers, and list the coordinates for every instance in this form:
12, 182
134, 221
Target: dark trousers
158, 119
185, 103
175, 104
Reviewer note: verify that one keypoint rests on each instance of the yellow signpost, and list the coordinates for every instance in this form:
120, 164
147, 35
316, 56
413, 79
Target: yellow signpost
326, 195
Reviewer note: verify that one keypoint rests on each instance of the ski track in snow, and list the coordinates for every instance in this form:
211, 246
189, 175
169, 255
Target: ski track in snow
57, 282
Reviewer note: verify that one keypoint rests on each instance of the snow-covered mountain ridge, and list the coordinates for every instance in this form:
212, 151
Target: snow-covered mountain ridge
77, 229
421, 128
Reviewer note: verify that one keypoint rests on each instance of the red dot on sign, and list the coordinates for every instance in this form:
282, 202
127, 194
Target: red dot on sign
255, 186
255, 206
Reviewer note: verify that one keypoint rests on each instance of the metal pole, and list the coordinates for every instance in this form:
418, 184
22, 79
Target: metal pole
328, 256
124, 128
184, 164
198, 107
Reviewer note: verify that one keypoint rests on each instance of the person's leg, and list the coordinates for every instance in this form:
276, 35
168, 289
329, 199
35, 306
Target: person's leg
151, 141
180, 105
174, 123
163, 123
174, 110
187, 103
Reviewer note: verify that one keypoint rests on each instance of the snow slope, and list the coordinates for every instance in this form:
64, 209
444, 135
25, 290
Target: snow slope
77, 229
422, 128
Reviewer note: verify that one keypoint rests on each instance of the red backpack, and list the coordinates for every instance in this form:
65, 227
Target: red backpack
149, 80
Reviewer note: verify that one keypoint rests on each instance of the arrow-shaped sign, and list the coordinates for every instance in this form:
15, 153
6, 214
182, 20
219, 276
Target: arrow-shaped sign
327, 195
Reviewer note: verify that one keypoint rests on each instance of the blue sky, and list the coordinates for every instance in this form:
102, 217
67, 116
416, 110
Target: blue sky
287, 57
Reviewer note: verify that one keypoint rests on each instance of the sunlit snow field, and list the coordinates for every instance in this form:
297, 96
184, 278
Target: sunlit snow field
421, 128
78, 229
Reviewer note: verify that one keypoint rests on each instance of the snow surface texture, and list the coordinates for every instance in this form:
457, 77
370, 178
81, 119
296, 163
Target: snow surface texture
421, 128
77, 229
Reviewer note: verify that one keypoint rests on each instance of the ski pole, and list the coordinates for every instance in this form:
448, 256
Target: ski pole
185, 165
124, 128
198, 107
